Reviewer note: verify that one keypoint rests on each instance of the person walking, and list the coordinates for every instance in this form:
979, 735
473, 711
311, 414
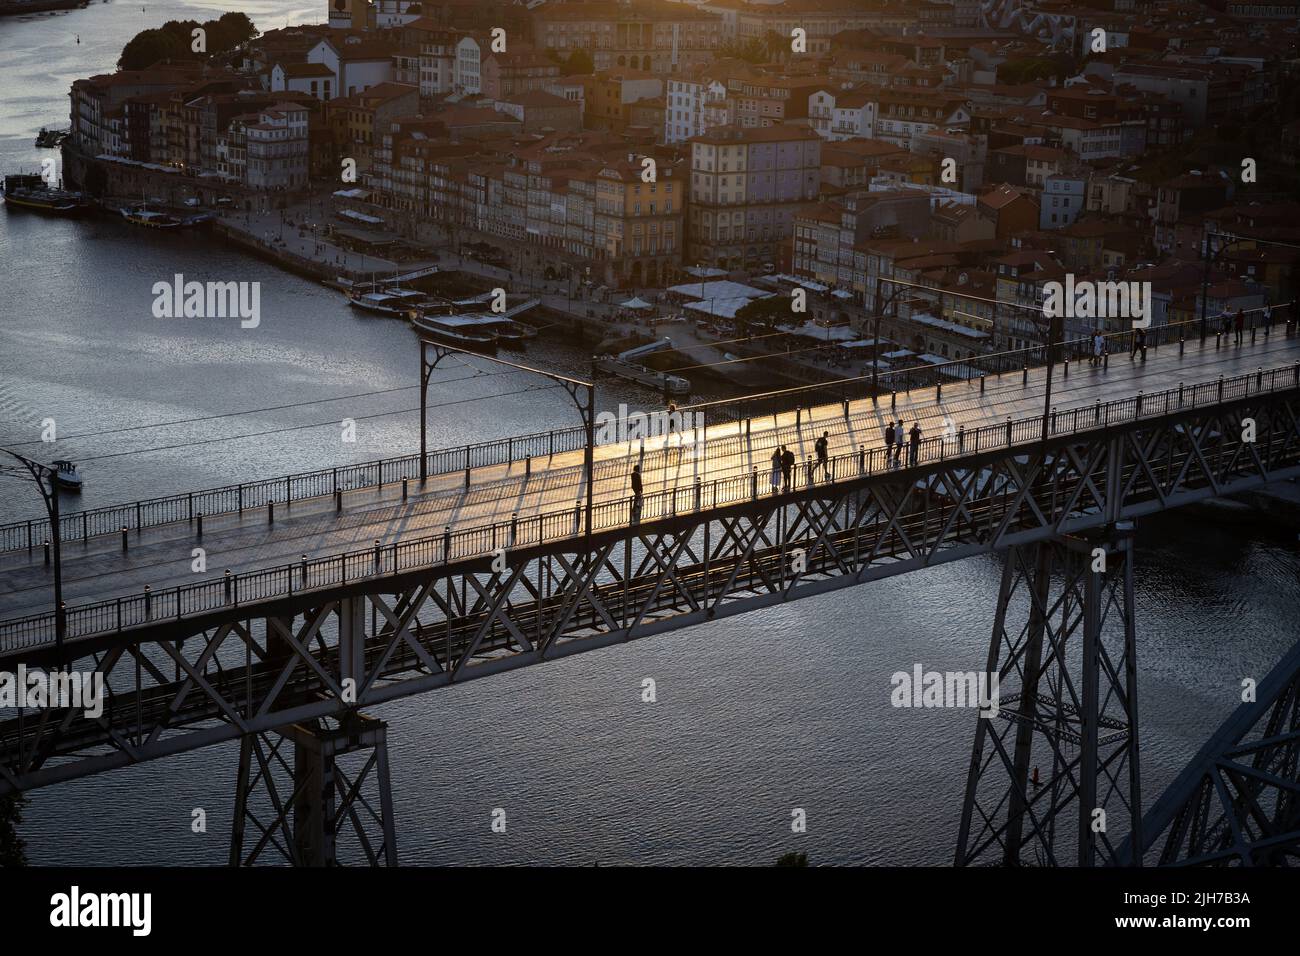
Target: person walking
889, 439
899, 438
636, 490
776, 470
915, 451
1098, 347
1140, 343
787, 466
823, 454
1239, 324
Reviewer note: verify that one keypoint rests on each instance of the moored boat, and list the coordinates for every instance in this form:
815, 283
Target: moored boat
149, 218
508, 331
395, 302
29, 191
467, 331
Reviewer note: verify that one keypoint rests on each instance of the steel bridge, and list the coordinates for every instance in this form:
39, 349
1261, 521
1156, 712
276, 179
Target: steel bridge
349, 595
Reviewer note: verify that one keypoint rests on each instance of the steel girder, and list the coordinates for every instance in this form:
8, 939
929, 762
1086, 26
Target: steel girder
315, 801
1238, 801
1067, 668
184, 684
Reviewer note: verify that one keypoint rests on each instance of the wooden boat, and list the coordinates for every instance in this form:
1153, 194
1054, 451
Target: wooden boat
467, 331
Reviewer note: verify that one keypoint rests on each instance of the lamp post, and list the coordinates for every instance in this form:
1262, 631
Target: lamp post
1054, 335
43, 475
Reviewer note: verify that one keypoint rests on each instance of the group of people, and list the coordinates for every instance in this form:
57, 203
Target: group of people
1229, 323
1100, 347
896, 437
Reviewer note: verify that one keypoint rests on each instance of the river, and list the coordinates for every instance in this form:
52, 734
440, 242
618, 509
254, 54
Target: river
758, 715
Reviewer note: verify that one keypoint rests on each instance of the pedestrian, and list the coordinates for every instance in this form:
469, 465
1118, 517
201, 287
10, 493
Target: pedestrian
787, 466
823, 453
1239, 323
899, 438
1225, 322
776, 470
1140, 343
915, 451
1098, 345
636, 491
889, 440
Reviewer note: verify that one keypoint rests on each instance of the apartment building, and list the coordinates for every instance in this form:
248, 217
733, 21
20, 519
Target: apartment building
746, 185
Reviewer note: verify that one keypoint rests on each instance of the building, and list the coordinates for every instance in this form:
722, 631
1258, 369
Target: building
356, 62
315, 79
653, 35
1063, 199
540, 111
691, 107
276, 146
638, 225
610, 94
1010, 210
517, 71
746, 185
358, 121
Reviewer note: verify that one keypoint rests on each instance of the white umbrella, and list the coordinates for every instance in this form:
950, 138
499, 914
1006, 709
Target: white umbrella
637, 303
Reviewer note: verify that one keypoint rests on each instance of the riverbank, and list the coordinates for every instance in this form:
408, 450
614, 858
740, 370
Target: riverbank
9, 8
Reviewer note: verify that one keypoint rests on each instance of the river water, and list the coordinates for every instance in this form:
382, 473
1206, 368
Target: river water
781, 709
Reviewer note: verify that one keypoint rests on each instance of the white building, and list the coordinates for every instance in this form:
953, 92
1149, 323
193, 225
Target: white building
314, 78
277, 148
467, 70
1064, 197
357, 64
690, 108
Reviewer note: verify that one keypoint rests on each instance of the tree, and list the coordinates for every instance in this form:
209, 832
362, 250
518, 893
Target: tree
148, 47
580, 64
174, 40
12, 848
763, 313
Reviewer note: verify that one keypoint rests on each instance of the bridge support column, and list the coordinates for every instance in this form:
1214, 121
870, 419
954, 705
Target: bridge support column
316, 802
1054, 776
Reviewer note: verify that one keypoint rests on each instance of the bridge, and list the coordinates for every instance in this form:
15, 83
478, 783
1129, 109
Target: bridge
318, 595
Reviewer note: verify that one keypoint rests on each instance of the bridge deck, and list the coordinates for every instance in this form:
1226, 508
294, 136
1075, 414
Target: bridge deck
161, 556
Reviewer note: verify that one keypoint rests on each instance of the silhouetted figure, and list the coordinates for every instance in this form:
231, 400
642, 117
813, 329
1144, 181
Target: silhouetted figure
787, 466
915, 436
636, 487
1239, 323
776, 470
823, 453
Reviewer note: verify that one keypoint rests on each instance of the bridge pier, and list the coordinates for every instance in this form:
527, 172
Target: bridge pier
315, 801
1054, 776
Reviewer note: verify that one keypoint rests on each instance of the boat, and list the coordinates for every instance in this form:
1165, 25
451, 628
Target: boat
50, 138
468, 331
149, 218
508, 331
394, 301
30, 191
66, 476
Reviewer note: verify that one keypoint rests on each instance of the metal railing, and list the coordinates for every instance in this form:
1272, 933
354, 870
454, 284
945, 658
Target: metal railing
236, 499
312, 574
965, 369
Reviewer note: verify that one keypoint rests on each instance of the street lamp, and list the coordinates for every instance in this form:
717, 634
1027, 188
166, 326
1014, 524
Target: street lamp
1055, 324
43, 475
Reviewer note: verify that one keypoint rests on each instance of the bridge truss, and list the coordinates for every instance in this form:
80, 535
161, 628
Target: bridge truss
320, 656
